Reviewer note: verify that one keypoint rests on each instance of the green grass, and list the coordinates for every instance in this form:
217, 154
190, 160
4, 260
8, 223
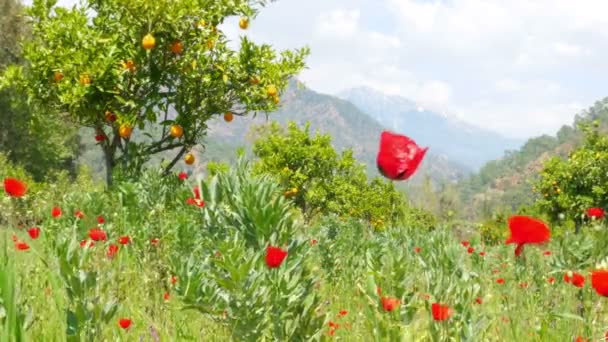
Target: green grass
225, 291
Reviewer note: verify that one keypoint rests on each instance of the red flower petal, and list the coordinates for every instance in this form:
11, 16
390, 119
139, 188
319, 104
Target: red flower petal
112, 250
22, 246
97, 234
440, 312
56, 212
599, 281
34, 232
398, 156
14, 187
123, 240
275, 256
390, 304
124, 323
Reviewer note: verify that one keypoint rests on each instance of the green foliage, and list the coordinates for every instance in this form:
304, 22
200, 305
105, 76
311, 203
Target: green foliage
88, 67
570, 186
225, 275
38, 139
320, 181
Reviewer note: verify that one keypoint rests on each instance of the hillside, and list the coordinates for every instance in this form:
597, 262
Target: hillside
460, 142
348, 126
504, 184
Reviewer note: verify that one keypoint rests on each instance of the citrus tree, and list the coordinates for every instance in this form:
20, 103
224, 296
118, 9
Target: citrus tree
320, 180
161, 67
568, 187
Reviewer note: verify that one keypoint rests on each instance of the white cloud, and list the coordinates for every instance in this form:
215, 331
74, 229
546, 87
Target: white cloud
521, 67
338, 22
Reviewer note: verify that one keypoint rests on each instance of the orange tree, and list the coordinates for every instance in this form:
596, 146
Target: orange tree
568, 187
161, 67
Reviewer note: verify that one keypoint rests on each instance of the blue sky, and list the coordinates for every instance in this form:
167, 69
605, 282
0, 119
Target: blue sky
519, 67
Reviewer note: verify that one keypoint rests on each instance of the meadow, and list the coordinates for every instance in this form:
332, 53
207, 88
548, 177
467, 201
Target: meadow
178, 259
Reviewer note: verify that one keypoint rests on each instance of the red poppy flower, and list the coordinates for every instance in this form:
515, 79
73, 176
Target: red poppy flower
417, 250
56, 212
342, 313
84, 243
551, 280
34, 232
465, 243
101, 220
275, 256
313, 242
482, 253
441, 312
470, 250
154, 241
166, 296
333, 324
124, 323
599, 281
100, 137
399, 156
580, 339
97, 234
182, 175
22, 246
478, 300
500, 280
547, 253
173, 280
575, 279
218, 254
197, 192
596, 213
112, 250
523, 285
14, 187
390, 304
14, 238
525, 229
79, 214
123, 240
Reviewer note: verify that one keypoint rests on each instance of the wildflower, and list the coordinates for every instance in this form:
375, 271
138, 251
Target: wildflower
79, 214
525, 230
575, 279
398, 156
173, 280
97, 234
101, 220
34, 232
599, 281
595, 213
22, 246
56, 212
275, 256
500, 280
124, 323
440, 312
482, 253
182, 175
112, 250
478, 300
166, 296
547, 253
390, 304
83, 243
14, 187
465, 243
123, 240
313, 242
470, 250
551, 280
417, 250
342, 313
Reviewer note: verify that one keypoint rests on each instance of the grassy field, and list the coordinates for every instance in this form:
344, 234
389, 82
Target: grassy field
194, 272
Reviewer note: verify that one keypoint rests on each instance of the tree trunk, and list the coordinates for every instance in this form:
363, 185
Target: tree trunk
174, 161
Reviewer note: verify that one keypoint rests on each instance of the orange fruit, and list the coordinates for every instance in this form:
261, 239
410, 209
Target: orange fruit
125, 131
85, 79
58, 76
228, 117
211, 43
176, 47
189, 159
271, 91
176, 131
111, 117
148, 42
129, 65
244, 23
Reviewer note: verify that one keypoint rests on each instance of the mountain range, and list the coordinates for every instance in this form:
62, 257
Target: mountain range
460, 142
